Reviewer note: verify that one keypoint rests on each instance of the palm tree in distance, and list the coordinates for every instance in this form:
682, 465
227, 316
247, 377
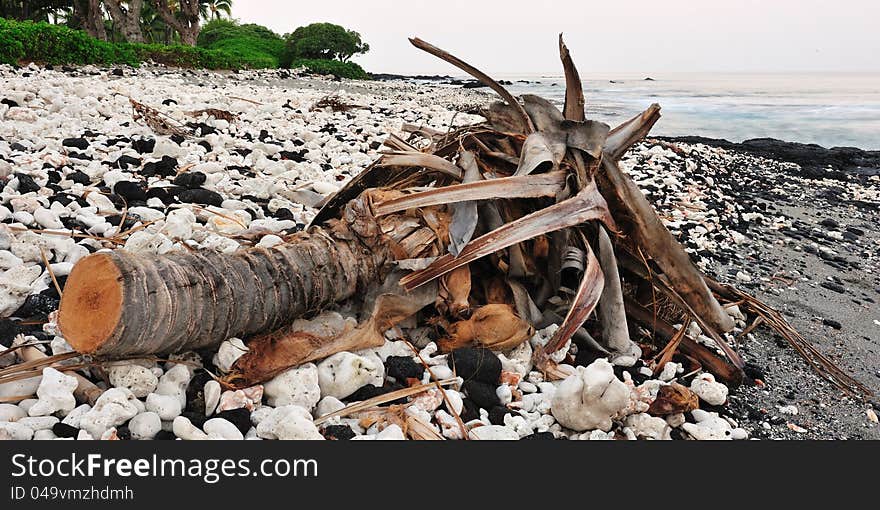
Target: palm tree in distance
214, 9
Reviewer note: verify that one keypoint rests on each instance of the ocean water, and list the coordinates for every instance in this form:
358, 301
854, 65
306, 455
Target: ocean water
829, 109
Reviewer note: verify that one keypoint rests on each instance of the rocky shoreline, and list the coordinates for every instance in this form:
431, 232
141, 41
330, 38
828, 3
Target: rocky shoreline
80, 175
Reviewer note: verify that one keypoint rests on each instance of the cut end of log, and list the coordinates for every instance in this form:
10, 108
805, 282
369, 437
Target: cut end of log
91, 306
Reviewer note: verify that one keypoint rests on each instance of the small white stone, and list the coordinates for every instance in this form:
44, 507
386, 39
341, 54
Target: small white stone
228, 353
166, 406
174, 383
39, 422
328, 405
219, 428
650, 427
184, 429
11, 412
145, 425
139, 380
288, 422
709, 390
505, 396
16, 431
298, 386
44, 435
344, 373
212, 396
493, 433
73, 417
590, 398
113, 408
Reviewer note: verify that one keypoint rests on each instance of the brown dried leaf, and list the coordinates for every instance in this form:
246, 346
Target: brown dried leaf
673, 399
495, 327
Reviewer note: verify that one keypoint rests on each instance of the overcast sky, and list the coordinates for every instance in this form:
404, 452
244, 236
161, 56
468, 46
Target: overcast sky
641, 36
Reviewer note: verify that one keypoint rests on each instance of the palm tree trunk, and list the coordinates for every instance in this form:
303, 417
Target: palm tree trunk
123, 304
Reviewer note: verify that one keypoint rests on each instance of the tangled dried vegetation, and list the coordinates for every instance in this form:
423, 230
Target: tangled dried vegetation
485, 232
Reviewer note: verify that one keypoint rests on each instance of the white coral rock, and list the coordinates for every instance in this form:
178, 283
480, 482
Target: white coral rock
288, 422
228, 353
709, 390
647, 426
298, 386
114, 407
493, 433
343, 373
55, 393
140, 380
589, 398
145, 425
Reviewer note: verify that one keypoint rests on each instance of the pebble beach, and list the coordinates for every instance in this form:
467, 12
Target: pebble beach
79, 174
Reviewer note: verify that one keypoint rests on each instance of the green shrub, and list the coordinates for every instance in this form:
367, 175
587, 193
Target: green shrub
336, 68
55, 44
323, 41
256, 46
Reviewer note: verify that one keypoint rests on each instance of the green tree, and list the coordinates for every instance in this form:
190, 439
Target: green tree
323, 41
214, 9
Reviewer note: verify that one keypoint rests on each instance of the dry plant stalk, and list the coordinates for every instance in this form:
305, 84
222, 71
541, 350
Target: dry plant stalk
484, 224
160, 123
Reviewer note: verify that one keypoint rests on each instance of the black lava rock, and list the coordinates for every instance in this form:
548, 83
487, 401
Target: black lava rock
144, 145
476, 363
9, 102
196, 417
369, 391
126, 161
165, 167
130, 191
836, 287
832, 323
469, 411
337, 432
123, 432
538, 436
240, 417
165, 435
36, 305
8, 331
79, 178
65, 430
403, 367
26, 184
191, 180
80, 143
482, 394
168, 102
497, 414
200, 196
195, 391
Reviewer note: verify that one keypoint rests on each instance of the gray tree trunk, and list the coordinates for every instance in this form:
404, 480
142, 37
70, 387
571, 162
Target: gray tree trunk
127, 20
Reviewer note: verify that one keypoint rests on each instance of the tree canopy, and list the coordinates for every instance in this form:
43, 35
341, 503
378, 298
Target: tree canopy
324, 41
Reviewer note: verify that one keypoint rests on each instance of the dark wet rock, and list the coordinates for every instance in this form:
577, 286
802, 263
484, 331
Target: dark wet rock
79, 178
497, 414
481, 393
36, 305
836, 287
240, 417
79, 143
144, 145
8, 331
165, 167
337, 432
537, 436
26, 184
65, 430
130, 191
831, 323
191, 180
126, 161
476, 363
200, 196
369, 391
402, 368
